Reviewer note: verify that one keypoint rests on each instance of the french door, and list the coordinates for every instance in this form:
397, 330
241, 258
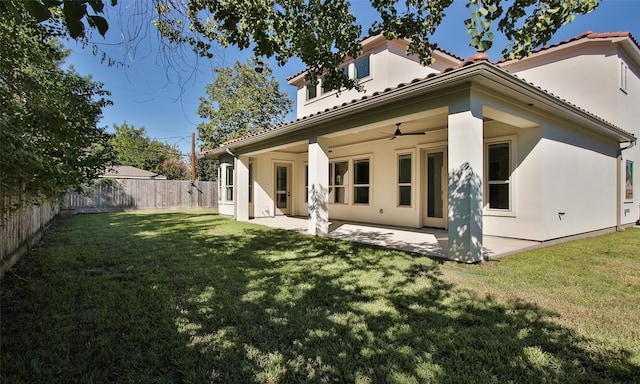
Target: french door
283, 189
435, 188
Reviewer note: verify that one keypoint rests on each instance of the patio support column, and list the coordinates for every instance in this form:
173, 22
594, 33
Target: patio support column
318, 195
242, 188
465, 146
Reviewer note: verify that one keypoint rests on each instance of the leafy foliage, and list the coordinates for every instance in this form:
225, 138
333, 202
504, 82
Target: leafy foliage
324, 33
242, 99
133, 147
73, 13
175, 170
48, 116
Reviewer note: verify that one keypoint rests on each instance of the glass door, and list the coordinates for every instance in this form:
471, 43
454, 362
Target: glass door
435, 212
282, 189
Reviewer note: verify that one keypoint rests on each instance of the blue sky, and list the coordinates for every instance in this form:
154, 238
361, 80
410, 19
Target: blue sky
164, 98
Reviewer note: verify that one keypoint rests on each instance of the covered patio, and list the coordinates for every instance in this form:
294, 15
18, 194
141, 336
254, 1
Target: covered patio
432, 242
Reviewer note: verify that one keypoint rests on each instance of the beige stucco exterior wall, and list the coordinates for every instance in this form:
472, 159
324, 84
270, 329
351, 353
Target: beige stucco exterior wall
589, 76
389, 66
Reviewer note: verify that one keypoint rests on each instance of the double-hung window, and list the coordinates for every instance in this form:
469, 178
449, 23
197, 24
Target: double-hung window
362, 67
225, 182
404, 180
338, 182
361, 177
499, 175
229, 184
250, 182
312, 91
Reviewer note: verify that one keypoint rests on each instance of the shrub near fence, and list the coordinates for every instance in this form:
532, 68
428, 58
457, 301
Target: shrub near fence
109, 195
21, 230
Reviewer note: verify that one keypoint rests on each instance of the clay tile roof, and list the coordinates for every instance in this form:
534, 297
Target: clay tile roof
472, 60
584, 35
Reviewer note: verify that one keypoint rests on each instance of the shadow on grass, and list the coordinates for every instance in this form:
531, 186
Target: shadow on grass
197, 298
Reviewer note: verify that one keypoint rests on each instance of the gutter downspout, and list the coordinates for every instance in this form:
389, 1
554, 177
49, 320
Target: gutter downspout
618, 185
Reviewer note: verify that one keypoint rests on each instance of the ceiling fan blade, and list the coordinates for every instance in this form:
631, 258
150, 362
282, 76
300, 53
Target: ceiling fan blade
413, 133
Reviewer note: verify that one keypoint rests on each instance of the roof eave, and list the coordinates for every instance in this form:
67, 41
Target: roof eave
446, 79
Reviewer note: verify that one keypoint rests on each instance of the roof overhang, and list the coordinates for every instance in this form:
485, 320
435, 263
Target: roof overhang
482, 74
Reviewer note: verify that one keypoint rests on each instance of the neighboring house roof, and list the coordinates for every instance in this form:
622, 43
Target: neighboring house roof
130, 172
476, 65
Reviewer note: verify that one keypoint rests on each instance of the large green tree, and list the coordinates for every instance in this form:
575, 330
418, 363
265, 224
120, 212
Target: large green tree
241, 99
49, 134
132, 146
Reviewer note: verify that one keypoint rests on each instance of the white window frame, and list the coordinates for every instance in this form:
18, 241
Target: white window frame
333, 187
224, 187
251, 169
511, 181
309, 86
399, 154
367, 185
629, 164
624, 71
355, 67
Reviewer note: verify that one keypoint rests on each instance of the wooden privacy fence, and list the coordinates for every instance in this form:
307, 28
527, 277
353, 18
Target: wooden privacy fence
21, 230
123, 194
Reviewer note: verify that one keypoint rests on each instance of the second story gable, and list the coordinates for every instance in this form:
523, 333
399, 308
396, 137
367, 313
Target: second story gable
383, 64
598, 72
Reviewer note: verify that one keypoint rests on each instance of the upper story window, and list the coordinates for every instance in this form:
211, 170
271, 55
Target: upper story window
624, 70
312, 91
362, 67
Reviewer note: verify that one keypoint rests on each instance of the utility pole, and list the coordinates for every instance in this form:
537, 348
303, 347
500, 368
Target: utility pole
193, 156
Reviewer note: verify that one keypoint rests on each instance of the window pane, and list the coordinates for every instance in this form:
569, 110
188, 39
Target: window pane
312, 91
339, 195
404, 169
229, 180
435, 193
499, 196
362, 67
361, 195
629, 180
499, 161
340, 173
229, 193
250, 182
405, 195
361, 172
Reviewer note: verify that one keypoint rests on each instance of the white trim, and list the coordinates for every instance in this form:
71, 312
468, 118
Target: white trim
412, 184
513, 163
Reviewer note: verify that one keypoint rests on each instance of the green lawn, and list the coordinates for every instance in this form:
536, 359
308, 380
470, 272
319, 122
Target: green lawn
192, 297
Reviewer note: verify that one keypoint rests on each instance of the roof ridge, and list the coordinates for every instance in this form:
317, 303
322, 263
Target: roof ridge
584, 35
473, 60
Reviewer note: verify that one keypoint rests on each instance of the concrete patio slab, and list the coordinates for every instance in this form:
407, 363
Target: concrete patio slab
427, 241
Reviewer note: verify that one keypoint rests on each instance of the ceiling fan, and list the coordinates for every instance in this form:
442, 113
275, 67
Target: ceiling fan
399, 133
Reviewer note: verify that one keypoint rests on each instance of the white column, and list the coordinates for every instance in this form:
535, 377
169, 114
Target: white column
242, 188
318, 202
466, 166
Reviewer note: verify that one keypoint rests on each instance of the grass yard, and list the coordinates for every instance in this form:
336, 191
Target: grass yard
192, 297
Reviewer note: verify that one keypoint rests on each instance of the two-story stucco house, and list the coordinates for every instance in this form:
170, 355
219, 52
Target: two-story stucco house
540, 148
